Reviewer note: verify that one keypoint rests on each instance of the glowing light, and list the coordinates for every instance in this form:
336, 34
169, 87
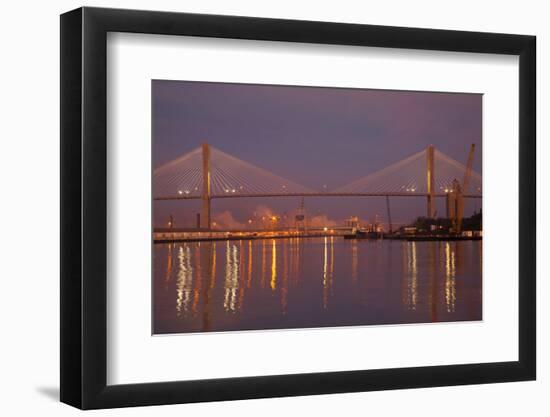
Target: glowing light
180, 192
326, 281
273, 282
325, 228
231, 277
184, 280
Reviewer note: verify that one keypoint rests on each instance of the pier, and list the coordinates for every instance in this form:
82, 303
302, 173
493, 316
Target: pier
169, 236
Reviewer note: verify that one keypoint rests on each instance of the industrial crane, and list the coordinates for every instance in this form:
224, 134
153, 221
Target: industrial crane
389, 214
464, 189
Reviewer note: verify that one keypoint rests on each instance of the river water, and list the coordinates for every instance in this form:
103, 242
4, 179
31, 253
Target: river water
320, 282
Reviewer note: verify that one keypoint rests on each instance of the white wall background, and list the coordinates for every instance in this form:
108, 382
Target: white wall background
29, 213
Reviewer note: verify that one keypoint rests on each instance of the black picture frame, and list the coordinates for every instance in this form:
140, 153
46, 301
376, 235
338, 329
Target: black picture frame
84, 207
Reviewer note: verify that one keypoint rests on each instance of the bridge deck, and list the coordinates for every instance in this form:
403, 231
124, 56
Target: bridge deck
256, 195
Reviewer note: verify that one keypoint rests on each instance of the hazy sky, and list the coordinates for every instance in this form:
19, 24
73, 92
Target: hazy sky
312, 136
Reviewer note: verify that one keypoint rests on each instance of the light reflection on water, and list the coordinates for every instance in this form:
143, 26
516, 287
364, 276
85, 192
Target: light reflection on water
185, 279
231, 277
293, 283
411, 276
450, 283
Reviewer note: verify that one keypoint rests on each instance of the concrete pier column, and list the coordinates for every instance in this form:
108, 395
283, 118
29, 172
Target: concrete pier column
205, 218
430, 180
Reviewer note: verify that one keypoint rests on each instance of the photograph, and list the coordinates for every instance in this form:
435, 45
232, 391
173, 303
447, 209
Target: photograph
306, 194
294, 207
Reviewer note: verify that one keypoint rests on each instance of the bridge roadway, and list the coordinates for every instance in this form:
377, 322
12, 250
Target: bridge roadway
313, 194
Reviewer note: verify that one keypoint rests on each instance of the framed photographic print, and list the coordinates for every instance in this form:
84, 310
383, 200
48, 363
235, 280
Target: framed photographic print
257, 207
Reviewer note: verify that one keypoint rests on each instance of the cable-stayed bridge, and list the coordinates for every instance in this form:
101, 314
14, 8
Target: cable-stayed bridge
207, 173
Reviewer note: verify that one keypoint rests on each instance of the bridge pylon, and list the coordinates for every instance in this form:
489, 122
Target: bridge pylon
430, 183
206, 186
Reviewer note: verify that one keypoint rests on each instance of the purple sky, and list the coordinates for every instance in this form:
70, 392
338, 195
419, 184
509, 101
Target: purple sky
311, 135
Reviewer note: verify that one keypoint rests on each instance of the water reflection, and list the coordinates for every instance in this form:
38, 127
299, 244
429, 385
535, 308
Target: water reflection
249, 281
168, 275
273, 282
242, 276
328, 270
354, 261
281, 283
284, 286
410, 272
263, 262
213, 268
231, 277
185, 279
434, 280
210, 261
198, 281
450, 277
